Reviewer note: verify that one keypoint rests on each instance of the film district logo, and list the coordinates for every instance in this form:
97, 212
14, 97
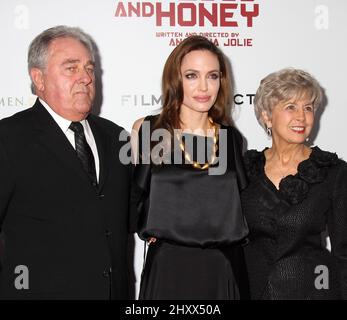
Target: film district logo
223, 19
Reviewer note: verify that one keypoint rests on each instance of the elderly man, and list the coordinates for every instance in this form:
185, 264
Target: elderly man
63, 190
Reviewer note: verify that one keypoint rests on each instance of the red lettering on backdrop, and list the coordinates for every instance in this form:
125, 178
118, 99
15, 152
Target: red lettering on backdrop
180, 14
210, 16
148, 5
250, 14
168, 14
191, 14
120, 11
224, 14
132, 9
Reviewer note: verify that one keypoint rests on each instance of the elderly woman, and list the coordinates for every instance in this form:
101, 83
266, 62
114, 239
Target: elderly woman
295, 194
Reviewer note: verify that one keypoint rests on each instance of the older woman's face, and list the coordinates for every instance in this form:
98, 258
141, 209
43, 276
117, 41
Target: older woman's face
292, 120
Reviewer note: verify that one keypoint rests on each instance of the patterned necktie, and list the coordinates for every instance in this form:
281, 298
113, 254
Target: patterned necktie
84, 152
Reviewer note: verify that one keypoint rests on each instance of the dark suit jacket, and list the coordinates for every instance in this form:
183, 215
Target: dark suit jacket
70, 235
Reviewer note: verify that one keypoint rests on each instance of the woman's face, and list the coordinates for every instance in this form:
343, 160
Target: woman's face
292, 120
200, 73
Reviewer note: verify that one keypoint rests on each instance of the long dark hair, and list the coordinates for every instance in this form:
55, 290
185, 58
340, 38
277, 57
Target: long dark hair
172, 88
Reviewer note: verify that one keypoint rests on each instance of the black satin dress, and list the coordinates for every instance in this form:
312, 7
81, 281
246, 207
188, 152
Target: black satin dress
197, 221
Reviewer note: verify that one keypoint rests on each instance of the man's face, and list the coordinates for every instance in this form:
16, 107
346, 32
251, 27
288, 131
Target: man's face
67, 84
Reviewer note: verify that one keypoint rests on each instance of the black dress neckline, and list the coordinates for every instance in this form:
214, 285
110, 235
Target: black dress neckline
269, 181
293, 188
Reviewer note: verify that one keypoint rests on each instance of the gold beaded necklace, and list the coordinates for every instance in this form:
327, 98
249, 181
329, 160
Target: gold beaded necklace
196, 164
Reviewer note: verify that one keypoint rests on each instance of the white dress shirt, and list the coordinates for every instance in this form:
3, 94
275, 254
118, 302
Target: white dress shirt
70, 135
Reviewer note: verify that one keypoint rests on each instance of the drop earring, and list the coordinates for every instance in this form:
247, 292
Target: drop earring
268, 131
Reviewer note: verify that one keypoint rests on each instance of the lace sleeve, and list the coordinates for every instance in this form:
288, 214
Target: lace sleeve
337, 225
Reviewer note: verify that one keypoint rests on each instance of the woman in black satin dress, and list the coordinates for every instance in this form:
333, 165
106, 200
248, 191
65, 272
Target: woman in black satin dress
295, 194
185, 197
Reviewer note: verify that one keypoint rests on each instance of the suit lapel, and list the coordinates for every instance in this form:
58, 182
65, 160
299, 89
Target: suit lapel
53, 139
103, 144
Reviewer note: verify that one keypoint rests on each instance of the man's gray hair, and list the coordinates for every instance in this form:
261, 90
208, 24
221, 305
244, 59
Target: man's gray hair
38, 49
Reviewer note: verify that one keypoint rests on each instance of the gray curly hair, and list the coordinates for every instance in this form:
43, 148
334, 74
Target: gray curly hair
284, 85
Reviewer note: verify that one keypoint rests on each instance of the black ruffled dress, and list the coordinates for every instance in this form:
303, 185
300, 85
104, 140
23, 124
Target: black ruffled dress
285, 257
199, 227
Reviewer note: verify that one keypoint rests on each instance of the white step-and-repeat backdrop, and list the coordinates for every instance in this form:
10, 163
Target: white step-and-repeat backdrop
135, 38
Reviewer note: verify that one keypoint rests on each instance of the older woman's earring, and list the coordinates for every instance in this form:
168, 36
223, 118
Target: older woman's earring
268, 131
307, 139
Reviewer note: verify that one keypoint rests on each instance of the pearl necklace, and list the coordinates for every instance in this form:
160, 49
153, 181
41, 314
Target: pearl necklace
196, 164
